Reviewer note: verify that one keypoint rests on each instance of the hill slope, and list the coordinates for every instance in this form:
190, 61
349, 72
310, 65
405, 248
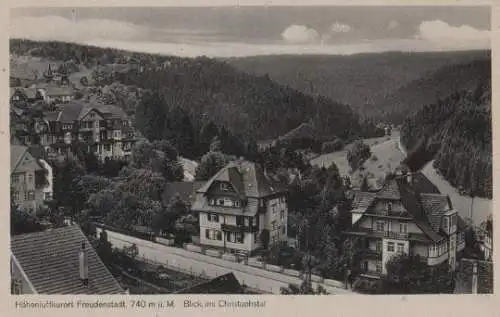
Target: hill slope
357, 80
457, 133
429, 89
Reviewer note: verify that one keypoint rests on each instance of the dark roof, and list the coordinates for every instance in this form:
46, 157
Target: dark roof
224, 284
465, 276
75, 110
38, 152
50, 259
418, 195
59, 91
185, 190
362, 200
247, 178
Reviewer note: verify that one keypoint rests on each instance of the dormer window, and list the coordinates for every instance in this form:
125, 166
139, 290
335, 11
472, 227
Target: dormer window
445, 223
224, 187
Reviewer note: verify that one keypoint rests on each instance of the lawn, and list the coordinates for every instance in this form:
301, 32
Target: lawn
386, 157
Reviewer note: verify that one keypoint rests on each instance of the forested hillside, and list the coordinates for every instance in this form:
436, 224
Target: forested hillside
363, 81
455, 132
429, 89
203, 91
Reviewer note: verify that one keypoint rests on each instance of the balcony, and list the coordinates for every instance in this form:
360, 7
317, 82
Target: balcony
372, 254
239, 228
390, 234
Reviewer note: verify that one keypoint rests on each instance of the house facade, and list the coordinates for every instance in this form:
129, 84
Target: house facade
29, 179
407, 215
237, 204
103, 129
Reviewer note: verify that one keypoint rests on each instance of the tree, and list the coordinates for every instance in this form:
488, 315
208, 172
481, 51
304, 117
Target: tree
150, 116
210, 164
410, 274
357, 154
264, 238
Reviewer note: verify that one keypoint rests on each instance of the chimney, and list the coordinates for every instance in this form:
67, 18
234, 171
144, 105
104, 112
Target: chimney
84, 265
474, 278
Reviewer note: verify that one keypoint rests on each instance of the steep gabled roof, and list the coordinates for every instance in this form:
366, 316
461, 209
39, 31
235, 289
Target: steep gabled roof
50, 260
418, 196
247, 178
16, 153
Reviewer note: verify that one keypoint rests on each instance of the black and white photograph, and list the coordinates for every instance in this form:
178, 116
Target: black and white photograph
286, 150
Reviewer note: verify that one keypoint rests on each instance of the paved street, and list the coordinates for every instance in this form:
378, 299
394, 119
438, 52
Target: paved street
212, 267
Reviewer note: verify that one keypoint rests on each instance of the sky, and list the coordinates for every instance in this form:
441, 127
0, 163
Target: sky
259, 30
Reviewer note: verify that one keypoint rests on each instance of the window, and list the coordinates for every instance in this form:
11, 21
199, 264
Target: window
213, 217
117, 134
48, 196
378, 246
282, 214
401, 248
15, 178
274, 208
389, 207
239, 220
445, 223
30, 178
213, 234
403, 227
282, 199
211, 202
380, 225
220, 202
67, 126
107, 147
262, 202
224, 187
274, 225
283, 230
379, 267
453, 220
365, 265
236, 203
390, 246
239, 237
16, 196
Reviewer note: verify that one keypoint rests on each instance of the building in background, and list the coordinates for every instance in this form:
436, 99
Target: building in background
29, 178
474, 277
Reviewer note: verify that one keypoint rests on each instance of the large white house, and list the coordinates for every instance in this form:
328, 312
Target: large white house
237, 204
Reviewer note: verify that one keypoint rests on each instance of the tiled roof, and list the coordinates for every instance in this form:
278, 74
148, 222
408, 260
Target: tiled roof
224, 284
17, 152
185, 190
59, 91
110, 111
50, 260
435, 206
418, 196
362, 200
484, 277
247, 178
70, 112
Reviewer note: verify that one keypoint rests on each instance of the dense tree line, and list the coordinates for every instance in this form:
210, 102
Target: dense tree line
457, 133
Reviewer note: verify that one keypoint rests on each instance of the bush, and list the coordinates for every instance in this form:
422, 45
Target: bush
366, 286
332, 146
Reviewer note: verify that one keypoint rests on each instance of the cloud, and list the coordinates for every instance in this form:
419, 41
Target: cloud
300, 34
59, 28
441, 32
338, 27
392, 25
